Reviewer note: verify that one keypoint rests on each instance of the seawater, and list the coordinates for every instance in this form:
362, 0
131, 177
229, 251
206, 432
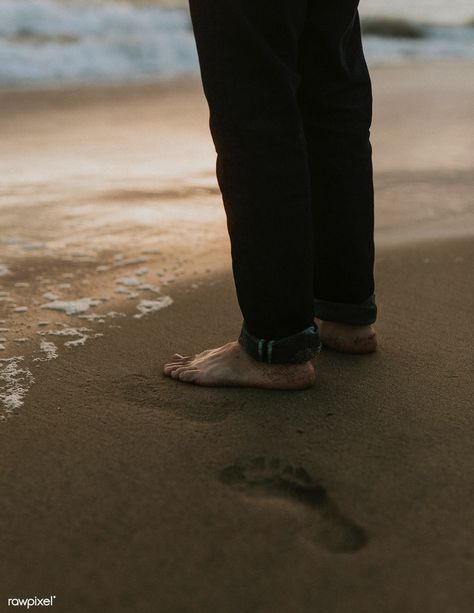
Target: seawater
88, 40
72, 41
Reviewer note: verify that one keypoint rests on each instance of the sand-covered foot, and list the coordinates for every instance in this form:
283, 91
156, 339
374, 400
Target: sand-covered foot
231, 365
347, 338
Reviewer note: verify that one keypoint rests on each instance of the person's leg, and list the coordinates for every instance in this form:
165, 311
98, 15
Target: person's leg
336, 103
248, 53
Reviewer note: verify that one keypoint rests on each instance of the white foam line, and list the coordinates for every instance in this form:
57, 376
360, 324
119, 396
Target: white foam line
115, 314
93, 317
50, 296
72, 307
151, 306
72, 332
65, 332
49, 349
14, 384
128, 281
78, 342
141, 271
150, 288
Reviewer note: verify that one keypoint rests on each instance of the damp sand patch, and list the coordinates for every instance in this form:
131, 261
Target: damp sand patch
55, 339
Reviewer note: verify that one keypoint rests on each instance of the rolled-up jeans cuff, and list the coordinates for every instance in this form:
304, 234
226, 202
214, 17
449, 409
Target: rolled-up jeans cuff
294, 349
361, 314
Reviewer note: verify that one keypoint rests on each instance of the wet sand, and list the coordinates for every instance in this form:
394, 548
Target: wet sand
123, 490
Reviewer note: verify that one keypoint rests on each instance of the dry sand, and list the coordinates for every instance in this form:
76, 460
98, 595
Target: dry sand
122, 490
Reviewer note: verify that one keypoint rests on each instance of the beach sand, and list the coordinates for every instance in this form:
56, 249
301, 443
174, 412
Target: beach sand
123, 490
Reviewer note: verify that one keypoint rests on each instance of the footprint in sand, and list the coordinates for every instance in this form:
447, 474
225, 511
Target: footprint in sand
138, 389
152, 391
326, 525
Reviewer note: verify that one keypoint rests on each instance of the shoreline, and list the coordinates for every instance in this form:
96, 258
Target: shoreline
187, 78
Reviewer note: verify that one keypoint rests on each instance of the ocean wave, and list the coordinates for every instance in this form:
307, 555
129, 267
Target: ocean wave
52, 41
88, 40
392, 39
392, 28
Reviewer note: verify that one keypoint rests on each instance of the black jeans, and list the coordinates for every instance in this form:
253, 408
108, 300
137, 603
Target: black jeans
290, 111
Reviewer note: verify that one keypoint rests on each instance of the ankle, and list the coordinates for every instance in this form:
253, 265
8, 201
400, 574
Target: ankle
321, 323
348, 338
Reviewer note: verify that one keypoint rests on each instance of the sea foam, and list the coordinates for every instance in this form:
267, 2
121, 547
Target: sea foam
72, 307
151, 306
15, 382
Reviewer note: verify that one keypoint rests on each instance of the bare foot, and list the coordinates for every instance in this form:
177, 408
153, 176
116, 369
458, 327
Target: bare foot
347, 338
231, 365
